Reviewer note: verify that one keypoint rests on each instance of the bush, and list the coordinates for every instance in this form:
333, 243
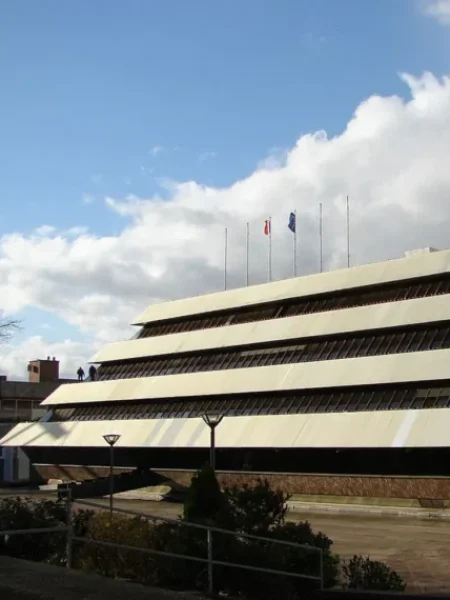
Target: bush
145, 567
18, 513
364, 574
204, 500
254, 509
175, 572
290, 559
26, 513
307, 562
118, 562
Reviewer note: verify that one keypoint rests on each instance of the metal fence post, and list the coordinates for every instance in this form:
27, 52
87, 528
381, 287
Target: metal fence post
69, 527
321, 569
210, 562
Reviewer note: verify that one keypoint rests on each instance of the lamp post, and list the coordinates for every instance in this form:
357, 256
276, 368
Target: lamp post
111, 439
212, 420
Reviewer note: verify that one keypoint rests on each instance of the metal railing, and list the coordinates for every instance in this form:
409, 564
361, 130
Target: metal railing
210, 530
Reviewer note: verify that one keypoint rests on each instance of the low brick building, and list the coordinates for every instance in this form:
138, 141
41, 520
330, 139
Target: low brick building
19, 402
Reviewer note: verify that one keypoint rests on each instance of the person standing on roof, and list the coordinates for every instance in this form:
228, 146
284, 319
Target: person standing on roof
80, 374
92, 373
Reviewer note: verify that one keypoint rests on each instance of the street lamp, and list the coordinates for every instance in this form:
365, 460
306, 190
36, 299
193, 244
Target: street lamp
111, 439
212, 420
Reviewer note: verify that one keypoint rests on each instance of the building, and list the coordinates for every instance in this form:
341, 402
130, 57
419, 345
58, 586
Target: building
334, 383
20, 401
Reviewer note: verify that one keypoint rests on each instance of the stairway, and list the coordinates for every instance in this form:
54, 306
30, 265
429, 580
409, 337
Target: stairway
99, 487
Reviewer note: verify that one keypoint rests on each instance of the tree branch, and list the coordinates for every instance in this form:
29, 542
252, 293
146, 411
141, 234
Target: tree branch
8, 327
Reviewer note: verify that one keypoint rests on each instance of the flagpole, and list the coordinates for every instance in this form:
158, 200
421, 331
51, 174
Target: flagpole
320, 237
348, 234
294, 249
269, 257
225, 260
247, 253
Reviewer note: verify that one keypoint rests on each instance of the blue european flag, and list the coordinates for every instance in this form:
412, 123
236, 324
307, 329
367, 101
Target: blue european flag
292, 222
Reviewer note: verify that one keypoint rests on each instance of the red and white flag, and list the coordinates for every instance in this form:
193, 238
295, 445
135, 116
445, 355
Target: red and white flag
268, 232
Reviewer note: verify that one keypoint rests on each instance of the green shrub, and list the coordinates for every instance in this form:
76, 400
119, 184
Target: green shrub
118, 562
253, 509
256, 510
175, 572
365, 574
18, 513
265, 554
145, 567
307, 562
26, 513
204, 499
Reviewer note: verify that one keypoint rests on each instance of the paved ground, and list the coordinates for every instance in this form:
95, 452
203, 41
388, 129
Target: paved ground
418, 549
23, 580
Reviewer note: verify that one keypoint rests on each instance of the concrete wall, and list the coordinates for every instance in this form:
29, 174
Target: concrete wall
415, 488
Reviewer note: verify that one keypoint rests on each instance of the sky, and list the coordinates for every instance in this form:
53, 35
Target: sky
133, 133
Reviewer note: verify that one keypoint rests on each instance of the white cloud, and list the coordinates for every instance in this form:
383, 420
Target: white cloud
87, 199
146, 170
392, 159
207, 156
44, 230
439, 9
14, 359
275, 159
156, 150
47, 231
77, 231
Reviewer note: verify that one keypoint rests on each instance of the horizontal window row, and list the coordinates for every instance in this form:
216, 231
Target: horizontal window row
378, 343
290, 308
331, 401
14, 410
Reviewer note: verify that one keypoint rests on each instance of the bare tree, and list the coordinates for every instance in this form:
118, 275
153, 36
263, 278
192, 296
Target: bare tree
7, 328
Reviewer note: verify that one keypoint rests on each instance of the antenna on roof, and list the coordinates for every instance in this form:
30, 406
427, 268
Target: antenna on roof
225, 260
268, 232
247, 253
348, 233
293, 221
320, 238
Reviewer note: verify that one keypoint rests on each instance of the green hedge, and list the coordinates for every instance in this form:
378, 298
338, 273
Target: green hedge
26, 513
255, 510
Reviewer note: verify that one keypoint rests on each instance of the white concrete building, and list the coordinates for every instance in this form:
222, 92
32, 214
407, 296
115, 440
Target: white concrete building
336, 382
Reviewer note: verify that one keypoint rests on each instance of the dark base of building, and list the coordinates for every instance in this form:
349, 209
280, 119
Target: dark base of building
416, 474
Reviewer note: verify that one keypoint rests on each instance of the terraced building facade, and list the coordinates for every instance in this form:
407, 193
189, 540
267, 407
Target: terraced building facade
334, 383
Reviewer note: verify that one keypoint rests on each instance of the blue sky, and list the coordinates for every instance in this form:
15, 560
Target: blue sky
106, 98
89, 88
